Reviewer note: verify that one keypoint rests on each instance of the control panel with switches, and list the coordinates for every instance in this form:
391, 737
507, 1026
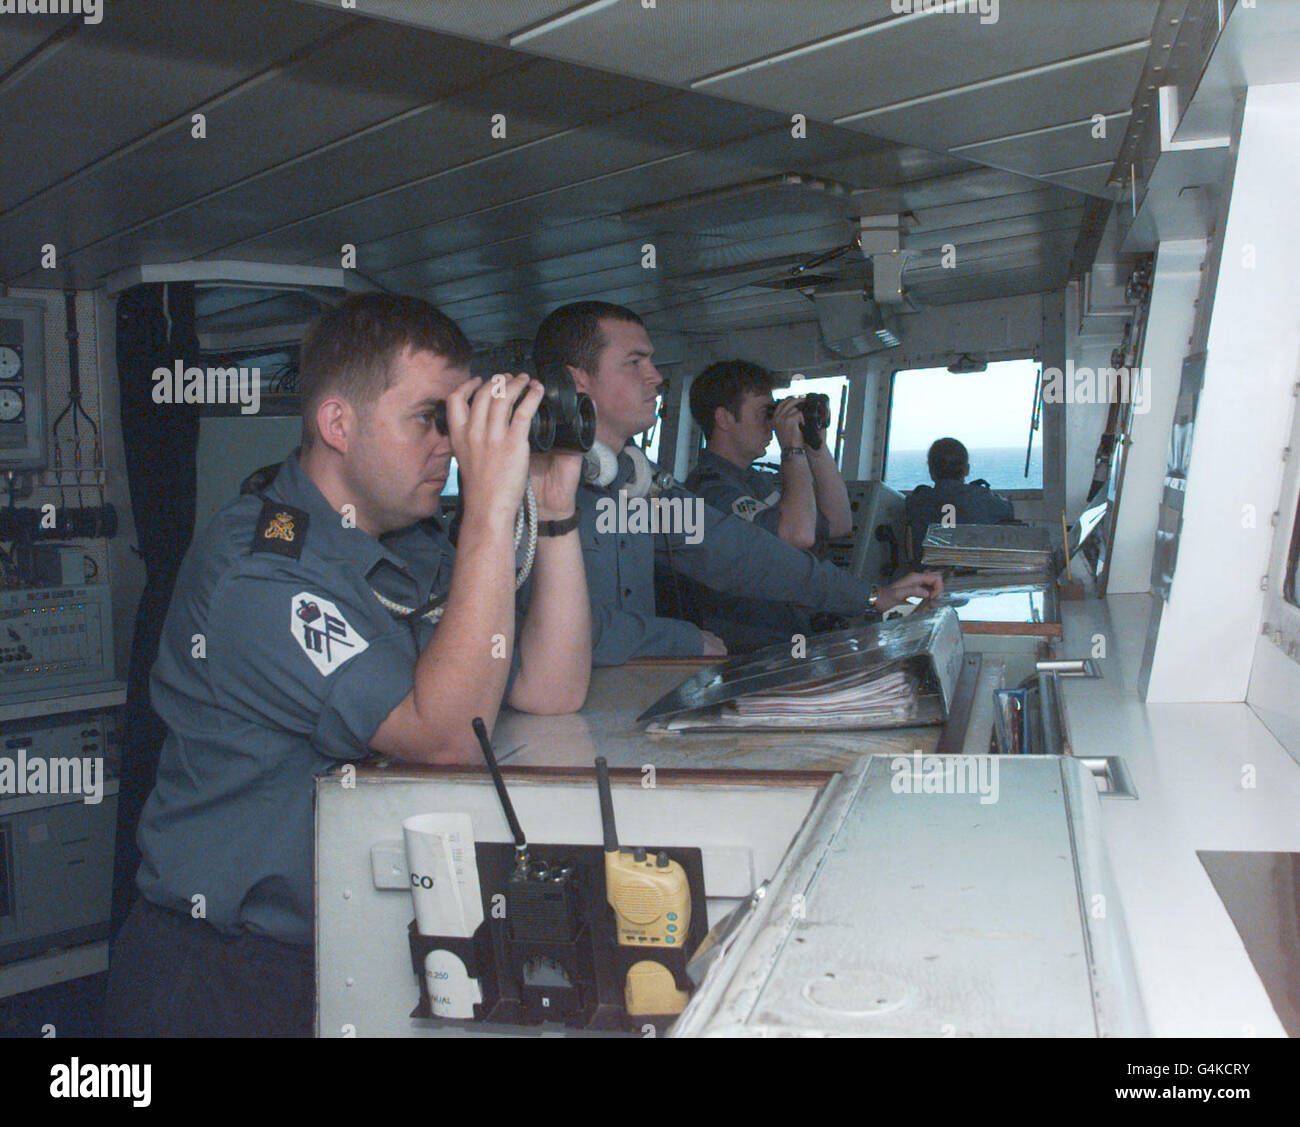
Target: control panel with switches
55, 639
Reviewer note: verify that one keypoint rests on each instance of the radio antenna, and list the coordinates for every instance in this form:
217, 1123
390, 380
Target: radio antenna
521, 842
606, 805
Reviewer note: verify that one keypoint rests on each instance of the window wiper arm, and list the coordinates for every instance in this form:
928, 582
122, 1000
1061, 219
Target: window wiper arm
1035, 415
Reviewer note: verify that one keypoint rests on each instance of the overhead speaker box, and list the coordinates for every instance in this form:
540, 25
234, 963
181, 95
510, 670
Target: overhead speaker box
852, 325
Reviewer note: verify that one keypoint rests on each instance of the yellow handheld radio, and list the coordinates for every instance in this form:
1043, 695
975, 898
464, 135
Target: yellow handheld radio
650, 895
652, 908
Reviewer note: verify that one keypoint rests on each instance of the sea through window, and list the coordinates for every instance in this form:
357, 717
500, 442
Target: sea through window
989, 411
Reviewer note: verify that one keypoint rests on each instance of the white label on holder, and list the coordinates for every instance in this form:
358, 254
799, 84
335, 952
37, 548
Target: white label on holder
452, 993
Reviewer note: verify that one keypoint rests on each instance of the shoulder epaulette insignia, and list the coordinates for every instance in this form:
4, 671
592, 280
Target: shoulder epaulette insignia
981, 482
281, 529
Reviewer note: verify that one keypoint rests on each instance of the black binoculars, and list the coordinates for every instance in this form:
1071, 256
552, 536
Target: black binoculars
565, 419
816, 412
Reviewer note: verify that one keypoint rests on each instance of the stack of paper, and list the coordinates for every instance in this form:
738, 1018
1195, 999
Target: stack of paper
887, 675
987, 547
856, 699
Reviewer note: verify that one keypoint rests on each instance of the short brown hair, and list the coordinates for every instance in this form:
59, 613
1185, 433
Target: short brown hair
351, 351
571, 334
725, 384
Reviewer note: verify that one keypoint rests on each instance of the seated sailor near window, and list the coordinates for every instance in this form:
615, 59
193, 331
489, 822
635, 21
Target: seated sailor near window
952, 499
804, 504
631, 513
324, 614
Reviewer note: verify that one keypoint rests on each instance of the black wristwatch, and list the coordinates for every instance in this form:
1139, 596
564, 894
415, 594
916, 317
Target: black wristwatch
558, 527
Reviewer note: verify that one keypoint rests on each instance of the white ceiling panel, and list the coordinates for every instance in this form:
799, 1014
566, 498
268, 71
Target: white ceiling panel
534, 190
93, 94
748, 309
891, 164
351, 188
942, 51
326, 127
259, 137
515, 318
679, 41
1046, 151
454, 194
1051, 255
970, 114
710, 259
417, 162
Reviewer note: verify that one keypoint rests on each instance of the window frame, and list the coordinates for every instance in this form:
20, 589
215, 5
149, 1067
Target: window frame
913, 364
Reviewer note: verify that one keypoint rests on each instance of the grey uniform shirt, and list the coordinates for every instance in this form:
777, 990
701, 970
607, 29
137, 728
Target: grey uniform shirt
749, 493
729, 555
753, 495
276, 662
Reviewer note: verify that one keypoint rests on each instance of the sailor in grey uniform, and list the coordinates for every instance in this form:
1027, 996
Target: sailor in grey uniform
749, 493
285, 648
306, 626
732, 556
754, 495
607, 351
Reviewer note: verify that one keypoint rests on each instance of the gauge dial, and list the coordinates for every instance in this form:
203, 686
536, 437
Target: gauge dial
11, 405
10, 363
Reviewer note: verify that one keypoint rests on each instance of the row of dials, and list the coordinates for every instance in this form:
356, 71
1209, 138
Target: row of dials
11, 398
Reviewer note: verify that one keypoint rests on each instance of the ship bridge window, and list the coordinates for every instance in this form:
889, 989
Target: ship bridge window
989, 411
649, 440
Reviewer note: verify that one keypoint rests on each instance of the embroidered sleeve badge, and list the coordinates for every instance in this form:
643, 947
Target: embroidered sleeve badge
326, 637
